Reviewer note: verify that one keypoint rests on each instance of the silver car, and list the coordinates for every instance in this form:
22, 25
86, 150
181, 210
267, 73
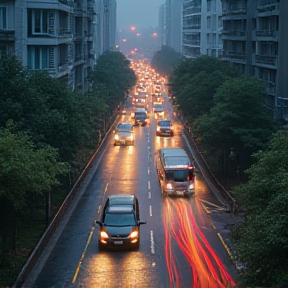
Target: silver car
124, 134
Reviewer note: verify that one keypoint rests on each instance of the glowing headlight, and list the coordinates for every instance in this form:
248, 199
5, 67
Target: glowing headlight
169, 186
133, 234
104, 235
131, 137
191, 186
116, 137
158, 128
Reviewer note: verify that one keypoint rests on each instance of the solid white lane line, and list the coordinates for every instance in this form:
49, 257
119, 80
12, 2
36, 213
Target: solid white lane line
152, 242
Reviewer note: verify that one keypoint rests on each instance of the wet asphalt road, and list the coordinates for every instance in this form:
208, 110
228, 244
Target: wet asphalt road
178, 248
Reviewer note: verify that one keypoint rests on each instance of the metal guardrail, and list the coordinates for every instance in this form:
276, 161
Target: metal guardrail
44, 240
232, 205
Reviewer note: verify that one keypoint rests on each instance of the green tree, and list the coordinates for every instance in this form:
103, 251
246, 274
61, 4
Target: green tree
45, 108
262, 240
164, 60
113, 76
194, 83
237, 122
26, 175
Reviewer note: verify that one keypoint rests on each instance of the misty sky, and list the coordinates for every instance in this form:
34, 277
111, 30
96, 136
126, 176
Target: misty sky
138, 13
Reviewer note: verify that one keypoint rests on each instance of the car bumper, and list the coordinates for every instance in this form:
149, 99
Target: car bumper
123, 142
164, 133
119, 244
184, 193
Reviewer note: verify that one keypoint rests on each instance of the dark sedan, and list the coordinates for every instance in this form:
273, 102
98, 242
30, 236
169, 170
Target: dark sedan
119, 225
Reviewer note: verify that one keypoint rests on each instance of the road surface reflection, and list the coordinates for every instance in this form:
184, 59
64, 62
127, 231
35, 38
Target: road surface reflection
207, 270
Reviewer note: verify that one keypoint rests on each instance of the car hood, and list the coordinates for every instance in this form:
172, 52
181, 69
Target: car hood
122, 231
125, 133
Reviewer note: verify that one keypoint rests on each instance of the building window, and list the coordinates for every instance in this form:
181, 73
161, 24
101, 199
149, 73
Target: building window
3, 20
38, 57
43, 22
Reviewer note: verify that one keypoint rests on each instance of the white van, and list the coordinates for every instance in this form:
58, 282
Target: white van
175, 172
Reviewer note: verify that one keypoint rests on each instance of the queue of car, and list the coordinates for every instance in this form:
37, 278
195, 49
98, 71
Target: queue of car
120, 221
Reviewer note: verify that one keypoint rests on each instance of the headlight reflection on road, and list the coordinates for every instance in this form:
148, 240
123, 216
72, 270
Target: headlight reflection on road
129, 269
206, 267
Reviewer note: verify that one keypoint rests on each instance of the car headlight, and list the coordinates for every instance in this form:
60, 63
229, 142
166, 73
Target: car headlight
104, 235
131, 137
169, 186
116, 137
191, 186
133, 234
158, 128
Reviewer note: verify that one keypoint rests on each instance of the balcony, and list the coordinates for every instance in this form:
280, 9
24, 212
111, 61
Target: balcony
265, 35
191, 11
195, 43
79, 59
266, 61
234, 35
270, 87
268, 5
236, 57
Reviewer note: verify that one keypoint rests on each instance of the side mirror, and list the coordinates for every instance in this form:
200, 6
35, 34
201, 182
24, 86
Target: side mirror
99, 223
141, 222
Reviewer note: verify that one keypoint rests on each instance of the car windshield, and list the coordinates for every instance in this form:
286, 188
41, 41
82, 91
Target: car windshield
124, 127
119, 219
179, 175
164, 123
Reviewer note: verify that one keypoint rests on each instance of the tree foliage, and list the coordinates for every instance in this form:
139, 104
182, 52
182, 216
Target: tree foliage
238, 118
26, 174
262, 240
195, 81
112, 76
45, 108
165, 60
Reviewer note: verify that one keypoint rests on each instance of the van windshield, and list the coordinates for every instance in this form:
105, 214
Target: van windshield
179, 175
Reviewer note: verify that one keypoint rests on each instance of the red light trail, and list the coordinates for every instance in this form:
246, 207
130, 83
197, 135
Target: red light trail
207, 269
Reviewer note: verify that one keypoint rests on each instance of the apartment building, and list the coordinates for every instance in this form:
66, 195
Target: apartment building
201, 28
172, 24
59, 36
255, 42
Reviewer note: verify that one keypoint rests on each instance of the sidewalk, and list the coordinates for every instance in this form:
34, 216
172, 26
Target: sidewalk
223, 222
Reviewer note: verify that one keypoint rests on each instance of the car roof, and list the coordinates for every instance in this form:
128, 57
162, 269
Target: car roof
140, 110
164, 120
121, 199
120, 209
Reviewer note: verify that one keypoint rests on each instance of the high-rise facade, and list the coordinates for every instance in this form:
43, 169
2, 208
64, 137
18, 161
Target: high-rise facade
59, 36
201, 28
255, 42
172, 24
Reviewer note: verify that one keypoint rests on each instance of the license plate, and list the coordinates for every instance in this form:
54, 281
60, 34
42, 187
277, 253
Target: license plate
180, 193
118, 242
